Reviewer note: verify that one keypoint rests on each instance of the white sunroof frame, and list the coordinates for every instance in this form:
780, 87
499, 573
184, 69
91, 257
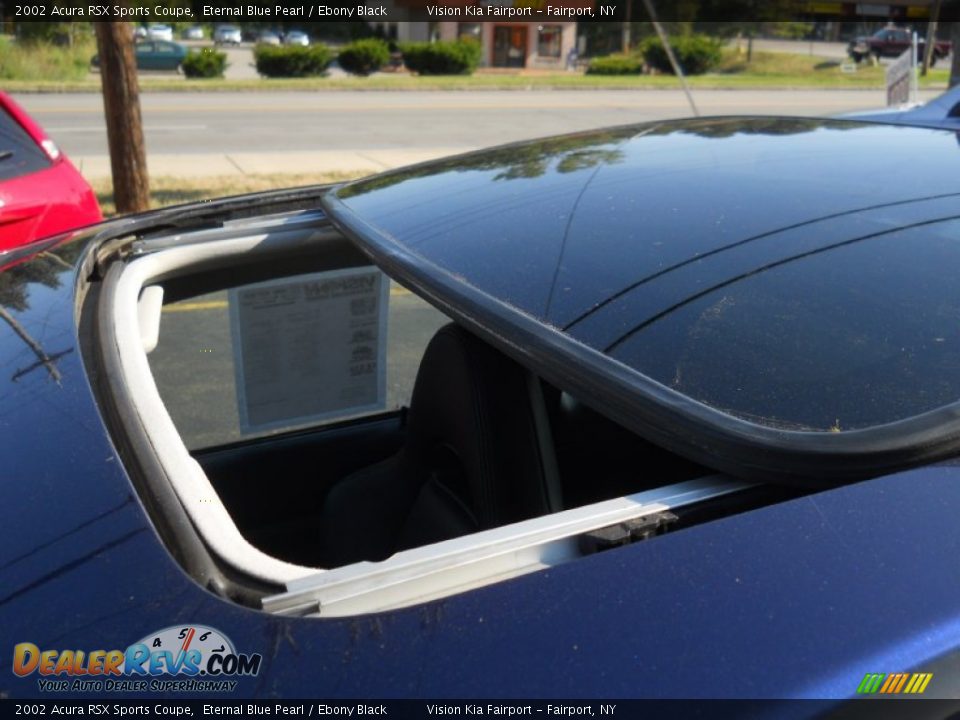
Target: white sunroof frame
407, 578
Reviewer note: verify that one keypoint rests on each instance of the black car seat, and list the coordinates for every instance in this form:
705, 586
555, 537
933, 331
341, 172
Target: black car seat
477, 454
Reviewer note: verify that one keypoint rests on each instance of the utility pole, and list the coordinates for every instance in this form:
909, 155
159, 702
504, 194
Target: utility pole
625, 29
955, 42
931, 38
121, 106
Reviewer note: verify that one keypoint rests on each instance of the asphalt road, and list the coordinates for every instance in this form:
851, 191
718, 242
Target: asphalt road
264, 122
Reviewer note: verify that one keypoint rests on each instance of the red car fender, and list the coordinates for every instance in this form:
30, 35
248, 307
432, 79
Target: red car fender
45, 202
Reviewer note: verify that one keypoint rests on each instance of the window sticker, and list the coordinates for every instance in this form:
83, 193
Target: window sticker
310, 348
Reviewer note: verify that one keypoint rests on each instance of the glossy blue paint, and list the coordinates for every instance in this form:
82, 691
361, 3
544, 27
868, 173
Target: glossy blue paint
799, 599
560, 225
760, 295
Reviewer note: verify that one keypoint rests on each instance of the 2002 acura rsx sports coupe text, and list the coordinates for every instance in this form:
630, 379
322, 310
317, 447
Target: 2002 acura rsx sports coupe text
665, 410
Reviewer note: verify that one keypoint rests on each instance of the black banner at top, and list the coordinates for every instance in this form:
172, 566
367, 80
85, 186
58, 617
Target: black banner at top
467, 11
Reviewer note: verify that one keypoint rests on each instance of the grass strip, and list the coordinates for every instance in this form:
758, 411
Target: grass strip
166, 191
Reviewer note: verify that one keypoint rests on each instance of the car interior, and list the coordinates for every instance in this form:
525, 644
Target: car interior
483, 443
477, 447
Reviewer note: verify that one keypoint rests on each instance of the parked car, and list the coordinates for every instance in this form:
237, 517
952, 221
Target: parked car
41, 192
268, 37
227, 35
194, 32
296, 37
942, 111
893, 42
160, 32
667, 410
140, 32
155, 55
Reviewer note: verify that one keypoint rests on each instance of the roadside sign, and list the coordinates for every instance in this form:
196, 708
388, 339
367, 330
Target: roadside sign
901, 76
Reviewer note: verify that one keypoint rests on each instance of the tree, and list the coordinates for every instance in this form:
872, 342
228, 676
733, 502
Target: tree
955, 65
121, 106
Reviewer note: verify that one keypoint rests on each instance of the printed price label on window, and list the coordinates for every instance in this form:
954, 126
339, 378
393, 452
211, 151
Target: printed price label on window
310, 348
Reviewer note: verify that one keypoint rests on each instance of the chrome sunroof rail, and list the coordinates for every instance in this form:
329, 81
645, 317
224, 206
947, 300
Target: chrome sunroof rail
472, 561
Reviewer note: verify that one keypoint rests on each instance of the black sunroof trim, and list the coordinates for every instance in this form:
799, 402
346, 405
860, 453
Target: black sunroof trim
683, 425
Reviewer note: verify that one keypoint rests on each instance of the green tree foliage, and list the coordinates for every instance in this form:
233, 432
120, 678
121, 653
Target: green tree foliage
517, 162
54, 33
48, 268
790, 30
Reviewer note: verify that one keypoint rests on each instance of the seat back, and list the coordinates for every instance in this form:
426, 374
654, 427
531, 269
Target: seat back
476, 456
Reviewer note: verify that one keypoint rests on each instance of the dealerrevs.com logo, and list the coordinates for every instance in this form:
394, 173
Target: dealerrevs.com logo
177, 659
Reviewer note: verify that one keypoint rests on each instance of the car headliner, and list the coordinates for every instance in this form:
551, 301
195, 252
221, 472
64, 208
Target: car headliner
600, 235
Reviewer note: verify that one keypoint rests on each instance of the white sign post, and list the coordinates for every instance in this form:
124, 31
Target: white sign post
914, 72
902, 77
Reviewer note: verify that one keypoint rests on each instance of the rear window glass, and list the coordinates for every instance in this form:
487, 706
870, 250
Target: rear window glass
19, 154
264, 358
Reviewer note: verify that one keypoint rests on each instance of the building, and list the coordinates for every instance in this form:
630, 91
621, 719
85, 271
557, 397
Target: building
506, 44
517, 44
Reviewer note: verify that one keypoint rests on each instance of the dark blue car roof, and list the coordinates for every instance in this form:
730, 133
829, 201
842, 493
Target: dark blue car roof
774, 283
800, 599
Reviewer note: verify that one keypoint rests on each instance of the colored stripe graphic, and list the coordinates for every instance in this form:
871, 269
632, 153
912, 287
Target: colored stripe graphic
888, 683
894, 683
871, 683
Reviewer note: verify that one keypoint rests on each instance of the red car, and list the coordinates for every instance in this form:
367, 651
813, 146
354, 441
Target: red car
41, 192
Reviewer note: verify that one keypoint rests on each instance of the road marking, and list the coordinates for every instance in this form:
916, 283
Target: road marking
395, 291
192, 306
339, 109
102, 128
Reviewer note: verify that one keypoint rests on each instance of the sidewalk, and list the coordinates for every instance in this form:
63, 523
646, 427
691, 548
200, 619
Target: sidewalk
95, 167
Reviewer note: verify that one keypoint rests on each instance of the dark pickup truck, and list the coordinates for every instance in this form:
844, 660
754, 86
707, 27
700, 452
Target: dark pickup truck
892, 42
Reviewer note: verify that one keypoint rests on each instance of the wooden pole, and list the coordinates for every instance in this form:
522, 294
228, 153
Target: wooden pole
955, 64
931, 41
625, 30
121, 106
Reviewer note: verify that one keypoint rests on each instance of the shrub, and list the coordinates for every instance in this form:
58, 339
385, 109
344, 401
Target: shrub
615, 65
362, 57
457, 57
292, 61
207, 63
696, 53
791, 30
